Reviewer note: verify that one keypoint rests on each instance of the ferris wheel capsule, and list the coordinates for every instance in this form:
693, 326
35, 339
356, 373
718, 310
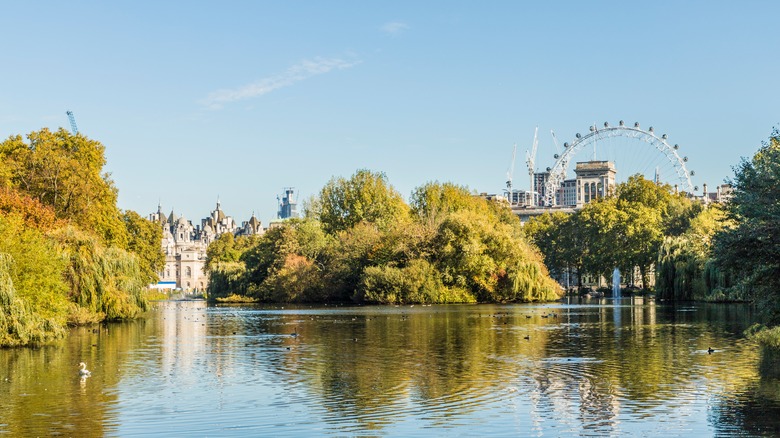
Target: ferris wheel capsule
622, 123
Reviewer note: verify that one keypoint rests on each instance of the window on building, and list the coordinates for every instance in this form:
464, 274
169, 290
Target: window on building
188, 272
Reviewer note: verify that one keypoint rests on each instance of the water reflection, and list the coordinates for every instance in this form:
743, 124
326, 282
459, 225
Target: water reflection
582, 367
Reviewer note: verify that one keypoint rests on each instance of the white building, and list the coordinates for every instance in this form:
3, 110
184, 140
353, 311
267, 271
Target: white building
185, 245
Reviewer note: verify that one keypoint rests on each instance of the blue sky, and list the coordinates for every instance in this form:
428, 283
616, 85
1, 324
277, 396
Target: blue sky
198, 100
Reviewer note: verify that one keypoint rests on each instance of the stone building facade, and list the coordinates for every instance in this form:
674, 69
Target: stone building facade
185, 244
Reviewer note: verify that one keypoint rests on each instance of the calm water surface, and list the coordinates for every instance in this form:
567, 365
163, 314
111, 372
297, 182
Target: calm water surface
576, 369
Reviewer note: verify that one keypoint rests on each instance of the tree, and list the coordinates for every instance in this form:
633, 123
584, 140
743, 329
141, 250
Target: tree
366, 196
749, 247
144, 240
65, 171
547, 232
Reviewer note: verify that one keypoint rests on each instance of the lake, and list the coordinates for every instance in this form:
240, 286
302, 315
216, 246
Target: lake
578, 368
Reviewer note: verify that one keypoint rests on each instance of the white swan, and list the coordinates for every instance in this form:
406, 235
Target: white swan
83, 371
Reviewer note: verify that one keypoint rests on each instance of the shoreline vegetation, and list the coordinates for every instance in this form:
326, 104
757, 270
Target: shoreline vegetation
712, 252
360, 242
69, 256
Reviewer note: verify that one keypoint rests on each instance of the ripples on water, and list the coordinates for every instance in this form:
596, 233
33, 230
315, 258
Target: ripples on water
559, 370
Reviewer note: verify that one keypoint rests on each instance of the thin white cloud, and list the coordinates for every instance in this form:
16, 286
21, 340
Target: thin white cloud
394, 27
296, 73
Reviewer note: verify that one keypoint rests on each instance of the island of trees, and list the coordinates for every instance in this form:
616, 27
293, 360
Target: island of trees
360, 242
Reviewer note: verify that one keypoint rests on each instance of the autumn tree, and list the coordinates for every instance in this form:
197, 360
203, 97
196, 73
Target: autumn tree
365, 196
65, 171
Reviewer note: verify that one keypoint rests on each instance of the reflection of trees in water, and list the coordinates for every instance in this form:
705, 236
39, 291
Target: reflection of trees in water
43, 394
374, 368
364, 369
754, 407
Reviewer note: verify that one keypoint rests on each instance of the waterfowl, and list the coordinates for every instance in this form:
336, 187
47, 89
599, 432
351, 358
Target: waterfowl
83, 371
710, 350
527, 337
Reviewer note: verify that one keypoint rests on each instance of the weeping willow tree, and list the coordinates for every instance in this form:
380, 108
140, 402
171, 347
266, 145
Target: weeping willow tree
19, 323
226, 279
679, 274
685, 270
104, 283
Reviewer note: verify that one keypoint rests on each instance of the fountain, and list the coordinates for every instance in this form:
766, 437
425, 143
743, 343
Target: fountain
616, 283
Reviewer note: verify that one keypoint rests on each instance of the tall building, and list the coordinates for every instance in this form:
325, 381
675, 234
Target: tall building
287, 204
540, 186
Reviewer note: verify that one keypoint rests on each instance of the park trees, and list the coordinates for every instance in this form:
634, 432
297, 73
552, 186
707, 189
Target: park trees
360, 241
65, 171
749, 246
624, 230
365, 196
143, 239
68, 255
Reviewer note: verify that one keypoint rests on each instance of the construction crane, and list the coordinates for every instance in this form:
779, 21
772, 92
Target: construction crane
73, 128
530, 160
509, 174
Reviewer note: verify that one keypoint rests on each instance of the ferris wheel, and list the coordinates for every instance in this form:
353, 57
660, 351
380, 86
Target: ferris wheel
660, 161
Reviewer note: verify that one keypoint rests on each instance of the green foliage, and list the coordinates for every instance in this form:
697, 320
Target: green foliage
767, 337
225, 279
366, 196
365, 247
33, 303
144, 240
749, 248
417, 282
107, 282
685, 270
64, 241
489, 258
227, 248
624, 230
64, 171
561, 241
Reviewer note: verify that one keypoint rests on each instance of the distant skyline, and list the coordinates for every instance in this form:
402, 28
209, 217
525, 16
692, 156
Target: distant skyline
236, 100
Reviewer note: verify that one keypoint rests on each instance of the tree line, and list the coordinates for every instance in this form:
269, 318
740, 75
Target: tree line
714, 252
361, 242
68, 254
